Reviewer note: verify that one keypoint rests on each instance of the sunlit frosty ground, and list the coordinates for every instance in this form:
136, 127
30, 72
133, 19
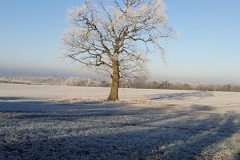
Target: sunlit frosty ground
60, 122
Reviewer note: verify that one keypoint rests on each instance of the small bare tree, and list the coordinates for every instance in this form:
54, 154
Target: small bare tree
115, 36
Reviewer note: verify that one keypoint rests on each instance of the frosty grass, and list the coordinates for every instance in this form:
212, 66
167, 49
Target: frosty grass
60, 122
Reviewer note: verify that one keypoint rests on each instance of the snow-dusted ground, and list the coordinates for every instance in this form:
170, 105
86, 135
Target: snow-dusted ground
63, 122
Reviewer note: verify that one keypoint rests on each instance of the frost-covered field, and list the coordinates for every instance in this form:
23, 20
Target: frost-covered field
63, 122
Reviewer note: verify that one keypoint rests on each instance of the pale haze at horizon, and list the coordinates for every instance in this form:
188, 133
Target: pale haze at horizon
207, 49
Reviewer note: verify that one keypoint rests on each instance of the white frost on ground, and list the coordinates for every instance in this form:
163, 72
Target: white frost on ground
63, 122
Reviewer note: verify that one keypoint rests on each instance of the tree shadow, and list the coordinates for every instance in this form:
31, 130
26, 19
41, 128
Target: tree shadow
180, 96
11, 98
46, 130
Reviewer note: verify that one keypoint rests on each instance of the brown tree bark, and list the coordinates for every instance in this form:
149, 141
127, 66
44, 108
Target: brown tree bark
113, 95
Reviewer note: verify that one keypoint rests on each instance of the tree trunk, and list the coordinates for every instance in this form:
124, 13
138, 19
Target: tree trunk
113, 96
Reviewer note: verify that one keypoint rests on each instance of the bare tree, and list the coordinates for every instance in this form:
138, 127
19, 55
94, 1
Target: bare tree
115, 36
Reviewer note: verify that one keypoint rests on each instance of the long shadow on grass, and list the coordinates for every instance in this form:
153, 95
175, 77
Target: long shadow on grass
180, 96
44, 130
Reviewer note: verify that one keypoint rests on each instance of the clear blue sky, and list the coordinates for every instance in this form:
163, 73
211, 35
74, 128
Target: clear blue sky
207, 50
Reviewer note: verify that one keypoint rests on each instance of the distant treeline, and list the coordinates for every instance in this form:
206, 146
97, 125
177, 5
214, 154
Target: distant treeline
185, 86
138, 83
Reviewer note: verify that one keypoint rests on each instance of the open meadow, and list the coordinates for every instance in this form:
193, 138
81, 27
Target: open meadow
66, 122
